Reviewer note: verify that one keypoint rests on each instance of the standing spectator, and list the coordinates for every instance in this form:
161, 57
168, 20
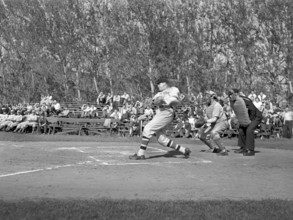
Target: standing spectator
116, 101
258, 104
252, 95
217, 120
288, 122
125, 98
249, 117
109, 98
101, 100
262, 96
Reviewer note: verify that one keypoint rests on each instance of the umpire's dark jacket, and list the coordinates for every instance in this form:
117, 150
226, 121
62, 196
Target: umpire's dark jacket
253, 112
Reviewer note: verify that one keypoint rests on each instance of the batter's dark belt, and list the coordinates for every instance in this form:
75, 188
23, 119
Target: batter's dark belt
164, 107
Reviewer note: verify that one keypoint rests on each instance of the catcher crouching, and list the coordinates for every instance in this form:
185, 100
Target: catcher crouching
214, 122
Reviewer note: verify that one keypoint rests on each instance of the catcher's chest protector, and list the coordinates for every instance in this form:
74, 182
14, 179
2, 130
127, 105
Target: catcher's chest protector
241, 112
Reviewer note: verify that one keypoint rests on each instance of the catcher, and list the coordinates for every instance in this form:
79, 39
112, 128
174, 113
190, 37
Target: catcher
165, 100
214, 122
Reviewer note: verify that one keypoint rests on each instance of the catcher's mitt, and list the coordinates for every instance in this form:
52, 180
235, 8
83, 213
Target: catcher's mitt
199, 123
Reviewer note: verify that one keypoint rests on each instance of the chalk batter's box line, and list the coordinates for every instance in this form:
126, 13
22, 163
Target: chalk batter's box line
96, 161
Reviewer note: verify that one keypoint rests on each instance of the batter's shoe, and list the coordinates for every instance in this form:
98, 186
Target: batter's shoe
216, 150
136, 157
187, 152
223, 153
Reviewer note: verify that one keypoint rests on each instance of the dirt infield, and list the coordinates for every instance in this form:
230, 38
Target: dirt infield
91, 170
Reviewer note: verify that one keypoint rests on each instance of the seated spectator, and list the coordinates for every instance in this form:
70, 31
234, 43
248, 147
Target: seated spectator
106, 112
64, 112
44, 109
149, 112
116, 114
20, 128
125, 113
56, 107
32, 121
85, 110
93, 111
8, 120
139, 106
16, 120
132, 110
3, 116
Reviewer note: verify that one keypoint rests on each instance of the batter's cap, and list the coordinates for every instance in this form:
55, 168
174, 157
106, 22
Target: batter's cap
162, 79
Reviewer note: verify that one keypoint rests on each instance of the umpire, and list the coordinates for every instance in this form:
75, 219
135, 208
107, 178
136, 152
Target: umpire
249, 118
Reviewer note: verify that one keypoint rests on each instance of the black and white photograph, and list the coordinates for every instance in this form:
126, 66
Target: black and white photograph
146, 109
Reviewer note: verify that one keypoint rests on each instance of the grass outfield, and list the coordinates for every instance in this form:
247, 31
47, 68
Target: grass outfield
145, 209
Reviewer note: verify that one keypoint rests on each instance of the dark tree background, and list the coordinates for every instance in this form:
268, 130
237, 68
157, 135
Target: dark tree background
73, 49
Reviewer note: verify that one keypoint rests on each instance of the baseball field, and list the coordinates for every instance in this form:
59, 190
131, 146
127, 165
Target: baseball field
91, 177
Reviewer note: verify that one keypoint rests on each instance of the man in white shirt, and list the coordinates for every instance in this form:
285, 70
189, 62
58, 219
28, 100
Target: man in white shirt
252, 95
288, 122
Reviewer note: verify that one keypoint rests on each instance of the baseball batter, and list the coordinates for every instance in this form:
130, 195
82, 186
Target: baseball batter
165, 100
217, 122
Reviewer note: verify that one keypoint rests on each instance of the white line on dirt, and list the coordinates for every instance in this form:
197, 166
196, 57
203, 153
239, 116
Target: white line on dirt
70, 148
156, 163
43, 169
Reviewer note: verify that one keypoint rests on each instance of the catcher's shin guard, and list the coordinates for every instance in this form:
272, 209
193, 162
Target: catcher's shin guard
208, 143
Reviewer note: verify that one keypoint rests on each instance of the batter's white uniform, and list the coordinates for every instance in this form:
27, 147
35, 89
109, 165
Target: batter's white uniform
163, 117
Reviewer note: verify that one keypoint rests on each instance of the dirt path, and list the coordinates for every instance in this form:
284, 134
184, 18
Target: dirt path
91, 170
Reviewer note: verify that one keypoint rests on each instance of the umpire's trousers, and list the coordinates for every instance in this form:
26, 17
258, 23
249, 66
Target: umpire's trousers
287, 129
246, 135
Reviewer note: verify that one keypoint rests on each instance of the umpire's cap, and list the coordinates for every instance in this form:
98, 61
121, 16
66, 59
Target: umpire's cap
211, 93
162, 79
232, 91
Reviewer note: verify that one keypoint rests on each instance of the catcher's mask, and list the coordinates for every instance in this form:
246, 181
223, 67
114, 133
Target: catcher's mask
209, 96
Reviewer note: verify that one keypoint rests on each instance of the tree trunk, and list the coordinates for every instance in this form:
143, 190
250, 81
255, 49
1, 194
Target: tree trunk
96, 84
150, 71
77, 84
188, 85
65, 68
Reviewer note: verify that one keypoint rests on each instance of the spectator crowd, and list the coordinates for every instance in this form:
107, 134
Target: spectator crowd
27, 117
